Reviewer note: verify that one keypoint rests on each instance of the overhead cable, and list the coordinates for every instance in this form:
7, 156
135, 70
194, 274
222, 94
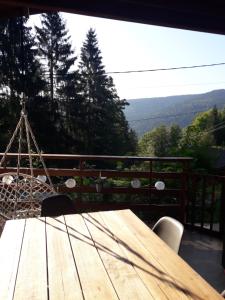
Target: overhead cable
165, 116
154, 70
167, 69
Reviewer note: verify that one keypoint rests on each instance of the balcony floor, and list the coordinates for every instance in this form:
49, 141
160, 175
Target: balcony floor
203, 254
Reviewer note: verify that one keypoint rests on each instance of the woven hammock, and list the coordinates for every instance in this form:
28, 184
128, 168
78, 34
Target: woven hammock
21, 194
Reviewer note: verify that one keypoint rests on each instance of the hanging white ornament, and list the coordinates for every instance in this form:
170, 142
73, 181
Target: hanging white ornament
135, 183
70, 183
42, 178
7, 179
160, 185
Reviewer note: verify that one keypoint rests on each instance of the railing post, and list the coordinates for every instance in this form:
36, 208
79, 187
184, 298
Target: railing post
81, 166
183, 193
222, 220
203, 195
212, 205
150, 180
222, 208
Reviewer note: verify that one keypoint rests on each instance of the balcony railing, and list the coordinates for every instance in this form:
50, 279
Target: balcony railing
206, 203
196, 199
87, 168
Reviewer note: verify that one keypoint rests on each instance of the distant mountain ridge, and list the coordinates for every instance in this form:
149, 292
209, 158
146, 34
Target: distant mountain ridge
145, 114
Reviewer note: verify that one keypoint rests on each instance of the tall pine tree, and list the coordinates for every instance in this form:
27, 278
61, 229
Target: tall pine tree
56, 50
19, 71
19, 68
107, 130
57, 56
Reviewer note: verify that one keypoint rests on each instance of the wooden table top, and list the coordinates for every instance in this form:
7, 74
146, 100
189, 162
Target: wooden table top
102, 255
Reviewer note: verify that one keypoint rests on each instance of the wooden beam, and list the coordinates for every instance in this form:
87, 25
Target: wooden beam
120, 190
95, 173
207, 16
100, 157
167, 208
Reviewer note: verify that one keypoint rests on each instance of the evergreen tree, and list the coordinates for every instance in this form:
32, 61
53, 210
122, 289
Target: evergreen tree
58, 57
19, 71
216, 119
175, 134
55, 48
19, 68
107, 131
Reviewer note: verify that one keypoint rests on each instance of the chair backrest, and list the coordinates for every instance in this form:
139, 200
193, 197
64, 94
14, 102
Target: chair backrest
170, 231
57, 205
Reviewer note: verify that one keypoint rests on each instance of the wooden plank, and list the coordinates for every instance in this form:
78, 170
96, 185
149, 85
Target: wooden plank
122, 190
95, 173
31, 280
93, 276
62, 274
170, 208
196, 287
100, 157
123, 276
10, 246
150, 270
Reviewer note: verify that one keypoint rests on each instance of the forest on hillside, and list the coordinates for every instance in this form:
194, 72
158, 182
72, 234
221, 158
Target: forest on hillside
147, 113
199, 140
72, 104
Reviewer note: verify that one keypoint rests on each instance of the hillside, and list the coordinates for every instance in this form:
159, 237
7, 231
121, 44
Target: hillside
146, 113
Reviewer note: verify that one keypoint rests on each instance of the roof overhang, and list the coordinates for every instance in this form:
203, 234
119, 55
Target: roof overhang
199, 15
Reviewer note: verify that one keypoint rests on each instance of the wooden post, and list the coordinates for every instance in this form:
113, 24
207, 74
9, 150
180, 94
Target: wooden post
184, 191
150, 180
81, 166
222, 220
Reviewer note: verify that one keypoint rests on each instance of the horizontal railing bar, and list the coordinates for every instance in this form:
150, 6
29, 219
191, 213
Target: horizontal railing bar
207, 176
113, 206
118, 190
95, 173
100, 157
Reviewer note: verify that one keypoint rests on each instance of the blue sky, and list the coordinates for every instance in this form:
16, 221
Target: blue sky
132, 46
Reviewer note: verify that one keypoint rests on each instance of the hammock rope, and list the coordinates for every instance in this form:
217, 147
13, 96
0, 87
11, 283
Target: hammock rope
21, 194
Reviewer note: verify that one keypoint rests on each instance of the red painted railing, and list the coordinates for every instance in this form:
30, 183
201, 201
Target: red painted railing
147, 169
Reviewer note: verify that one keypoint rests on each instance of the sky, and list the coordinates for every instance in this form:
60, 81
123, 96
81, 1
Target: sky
132, 46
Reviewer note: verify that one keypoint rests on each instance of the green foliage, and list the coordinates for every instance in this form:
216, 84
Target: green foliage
107, 131
196, 140
55, 48
71, 109
161, 141
20, 72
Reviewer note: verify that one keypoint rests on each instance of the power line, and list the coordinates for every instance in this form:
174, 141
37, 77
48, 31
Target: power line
167, 69
196, 135
217, 125
165, 116
176, 85
216, 128
153, 70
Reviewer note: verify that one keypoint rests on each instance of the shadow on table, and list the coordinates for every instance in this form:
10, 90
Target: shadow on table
159, 275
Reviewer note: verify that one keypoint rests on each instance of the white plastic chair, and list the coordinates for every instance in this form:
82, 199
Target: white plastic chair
170, 231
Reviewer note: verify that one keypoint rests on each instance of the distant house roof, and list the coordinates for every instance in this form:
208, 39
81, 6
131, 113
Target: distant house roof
200, 15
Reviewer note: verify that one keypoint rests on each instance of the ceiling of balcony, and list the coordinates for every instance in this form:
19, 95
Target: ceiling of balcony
200, 15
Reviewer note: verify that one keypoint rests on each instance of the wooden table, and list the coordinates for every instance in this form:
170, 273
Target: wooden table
103, 255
